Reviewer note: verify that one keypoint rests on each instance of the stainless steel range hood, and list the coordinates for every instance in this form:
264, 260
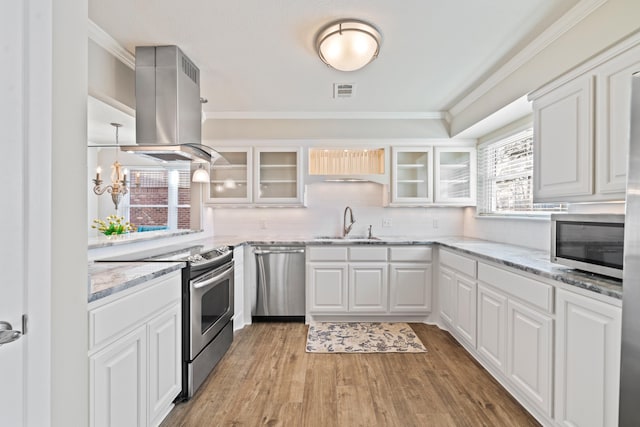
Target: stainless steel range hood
168, 109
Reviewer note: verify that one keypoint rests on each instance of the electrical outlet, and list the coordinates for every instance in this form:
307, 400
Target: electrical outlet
387, 222
435, 223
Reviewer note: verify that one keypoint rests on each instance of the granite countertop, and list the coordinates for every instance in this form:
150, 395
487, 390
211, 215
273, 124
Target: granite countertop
123, 239
533, 261
107, 278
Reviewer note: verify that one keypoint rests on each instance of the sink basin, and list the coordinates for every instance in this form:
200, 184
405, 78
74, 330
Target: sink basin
355, 238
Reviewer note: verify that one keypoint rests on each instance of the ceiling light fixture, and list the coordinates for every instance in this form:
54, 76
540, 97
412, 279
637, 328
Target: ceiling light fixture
118, 187
200, 175
348, 44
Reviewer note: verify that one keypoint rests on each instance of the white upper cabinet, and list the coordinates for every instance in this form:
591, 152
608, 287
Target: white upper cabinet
232, 183
412, 175
581, 129
278, 176
563, 142
455, 178
263, 176
428, 175
613, 88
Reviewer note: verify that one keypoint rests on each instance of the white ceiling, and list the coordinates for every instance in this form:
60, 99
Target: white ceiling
257, 57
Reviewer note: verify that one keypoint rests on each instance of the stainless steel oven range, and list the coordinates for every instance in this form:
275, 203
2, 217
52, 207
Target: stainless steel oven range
207, 305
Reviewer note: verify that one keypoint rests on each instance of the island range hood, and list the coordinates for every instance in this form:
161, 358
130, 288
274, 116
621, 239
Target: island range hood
168, 108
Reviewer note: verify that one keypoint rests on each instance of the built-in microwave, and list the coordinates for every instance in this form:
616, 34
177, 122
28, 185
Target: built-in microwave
589, 242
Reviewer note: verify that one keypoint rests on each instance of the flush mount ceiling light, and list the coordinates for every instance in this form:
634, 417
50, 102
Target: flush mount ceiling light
348, 44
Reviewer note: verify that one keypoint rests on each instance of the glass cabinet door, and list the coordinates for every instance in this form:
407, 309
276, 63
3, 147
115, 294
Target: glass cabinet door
456, 176
412, 171
277, 176
231, 183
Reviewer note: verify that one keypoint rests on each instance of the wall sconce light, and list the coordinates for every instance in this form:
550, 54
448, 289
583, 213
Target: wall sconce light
118, 187
200, 175
348, 44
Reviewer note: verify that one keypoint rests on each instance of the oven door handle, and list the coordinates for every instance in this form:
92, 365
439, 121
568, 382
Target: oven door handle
212, 280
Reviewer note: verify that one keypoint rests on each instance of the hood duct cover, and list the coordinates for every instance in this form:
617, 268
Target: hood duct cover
168, 109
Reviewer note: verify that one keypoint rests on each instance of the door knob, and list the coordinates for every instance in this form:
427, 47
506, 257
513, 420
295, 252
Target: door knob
7, 334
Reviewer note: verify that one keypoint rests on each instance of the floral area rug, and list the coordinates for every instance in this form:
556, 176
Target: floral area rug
362, 337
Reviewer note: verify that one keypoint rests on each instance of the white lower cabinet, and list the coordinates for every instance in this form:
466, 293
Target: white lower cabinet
529, 354
515, 332
373, 280
447, 293
119, 382
587, 361
368, 288
409, 287
327, 284
492, 327
564, 369
135, 354
165, 362
457, 289
466, 308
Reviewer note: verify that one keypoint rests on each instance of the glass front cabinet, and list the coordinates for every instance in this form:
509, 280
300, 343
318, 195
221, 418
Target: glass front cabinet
412, 175
455, 176
278, 176
258, 176
433, 175
232, 183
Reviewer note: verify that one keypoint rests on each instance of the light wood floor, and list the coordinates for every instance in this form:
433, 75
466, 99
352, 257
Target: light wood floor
267, 379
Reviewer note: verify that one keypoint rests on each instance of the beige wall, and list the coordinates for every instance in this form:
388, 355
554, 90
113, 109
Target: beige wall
607, 25
109, 79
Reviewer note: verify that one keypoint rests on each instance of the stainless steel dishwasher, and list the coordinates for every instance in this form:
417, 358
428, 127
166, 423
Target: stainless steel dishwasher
280, 287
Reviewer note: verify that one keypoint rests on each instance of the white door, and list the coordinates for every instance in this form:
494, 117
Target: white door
368, 288
11, 220
327, 287
466, 308
447, 291
410, 288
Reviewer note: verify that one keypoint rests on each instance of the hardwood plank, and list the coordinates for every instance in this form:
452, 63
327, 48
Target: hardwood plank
267, 379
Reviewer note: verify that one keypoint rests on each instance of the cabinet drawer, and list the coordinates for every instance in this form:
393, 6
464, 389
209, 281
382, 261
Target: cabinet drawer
536, 293
109, 321
410, 253
368, 253
327, 253
459, 263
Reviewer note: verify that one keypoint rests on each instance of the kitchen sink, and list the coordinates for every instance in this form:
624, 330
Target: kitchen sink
355, 238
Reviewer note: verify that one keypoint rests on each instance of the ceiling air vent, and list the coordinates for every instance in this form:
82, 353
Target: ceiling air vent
344, 90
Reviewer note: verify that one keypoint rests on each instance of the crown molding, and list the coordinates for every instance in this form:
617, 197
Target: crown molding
325, 115
628, 43
108, 43
548, 36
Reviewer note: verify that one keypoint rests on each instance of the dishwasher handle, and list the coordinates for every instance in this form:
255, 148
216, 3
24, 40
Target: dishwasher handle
278, 251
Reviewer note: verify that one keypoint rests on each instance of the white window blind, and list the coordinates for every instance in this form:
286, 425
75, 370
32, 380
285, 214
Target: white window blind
505, 177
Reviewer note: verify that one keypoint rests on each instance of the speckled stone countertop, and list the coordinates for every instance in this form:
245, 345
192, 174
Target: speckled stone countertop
533, 261
123, 239
124, 275
519, 257
107, 278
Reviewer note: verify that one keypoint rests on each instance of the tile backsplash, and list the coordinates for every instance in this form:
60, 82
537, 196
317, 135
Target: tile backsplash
323, 215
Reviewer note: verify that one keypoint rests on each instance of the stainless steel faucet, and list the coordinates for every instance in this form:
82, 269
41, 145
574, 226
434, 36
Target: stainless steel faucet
347, 228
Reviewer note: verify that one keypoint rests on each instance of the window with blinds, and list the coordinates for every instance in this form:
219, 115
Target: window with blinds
505, 177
